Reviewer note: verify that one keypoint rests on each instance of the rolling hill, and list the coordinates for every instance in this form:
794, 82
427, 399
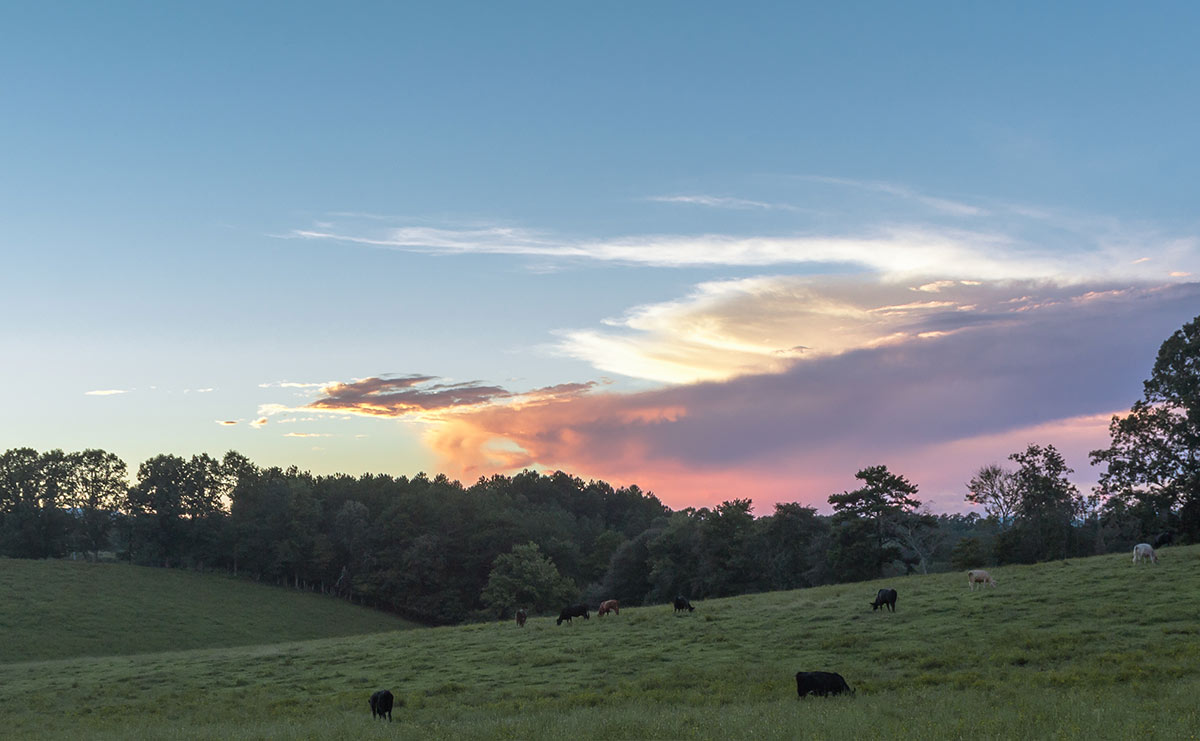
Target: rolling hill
65, 609
1087, 648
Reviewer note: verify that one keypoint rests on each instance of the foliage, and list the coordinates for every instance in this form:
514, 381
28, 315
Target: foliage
996, 490
1047, 507
1153, 462
876, 523
526, 578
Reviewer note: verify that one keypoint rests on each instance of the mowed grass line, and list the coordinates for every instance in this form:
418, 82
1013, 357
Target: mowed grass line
63, 609
1090, 648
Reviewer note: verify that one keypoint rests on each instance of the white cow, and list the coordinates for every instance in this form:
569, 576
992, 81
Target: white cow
980, 577
1144, 552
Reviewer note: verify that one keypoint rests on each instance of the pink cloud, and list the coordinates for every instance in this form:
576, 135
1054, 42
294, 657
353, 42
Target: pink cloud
934, 409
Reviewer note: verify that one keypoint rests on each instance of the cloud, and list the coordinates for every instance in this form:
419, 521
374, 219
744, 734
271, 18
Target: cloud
944, 205
394, 397
1076, 355
740, 204
725, 329
227, 422
895, 252
106, 392
418, 396
260, 422
307, 434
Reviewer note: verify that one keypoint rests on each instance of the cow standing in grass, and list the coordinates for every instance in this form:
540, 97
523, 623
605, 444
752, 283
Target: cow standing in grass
821, 684
607, 606
381, 705
681, 604
522, 616
885, 598
574, 611
980, 577
1144, 552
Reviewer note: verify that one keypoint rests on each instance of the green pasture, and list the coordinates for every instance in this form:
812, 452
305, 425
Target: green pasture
1092, 648
68, 609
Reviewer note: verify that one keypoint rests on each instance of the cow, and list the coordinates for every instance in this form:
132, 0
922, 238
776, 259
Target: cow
607, 606
821, 684
573, 611
1164, 538
682, 604
980, 577
522, 616
1144, 552
381, 705
885, 598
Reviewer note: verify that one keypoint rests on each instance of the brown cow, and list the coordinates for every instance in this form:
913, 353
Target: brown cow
608, 606
521, 616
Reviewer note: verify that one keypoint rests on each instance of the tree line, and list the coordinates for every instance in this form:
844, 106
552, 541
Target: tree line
440, 552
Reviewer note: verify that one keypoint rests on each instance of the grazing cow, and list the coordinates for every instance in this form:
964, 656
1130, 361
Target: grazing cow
821, 684
1164, 538
980, 577
521, 617
682, 604
607, 606
381, 705
1144, 552
574, 611
885, 598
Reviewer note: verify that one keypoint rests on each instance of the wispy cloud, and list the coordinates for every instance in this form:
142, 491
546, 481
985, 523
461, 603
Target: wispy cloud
893, 252
944, 205
106, 392
227, 422
739, 204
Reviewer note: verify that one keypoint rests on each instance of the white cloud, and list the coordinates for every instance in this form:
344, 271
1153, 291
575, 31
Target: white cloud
741, 204
106, 392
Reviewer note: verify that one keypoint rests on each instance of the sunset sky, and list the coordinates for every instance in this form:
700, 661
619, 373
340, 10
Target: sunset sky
716, 250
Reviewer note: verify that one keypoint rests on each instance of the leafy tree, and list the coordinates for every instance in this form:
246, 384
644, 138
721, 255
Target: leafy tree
101, 486
866, 522
19, 502
794, 540
995, 489
1049, 504
156, 504
525, 577
968, 553
1153, 462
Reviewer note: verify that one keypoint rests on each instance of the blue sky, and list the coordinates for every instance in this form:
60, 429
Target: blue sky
659, 245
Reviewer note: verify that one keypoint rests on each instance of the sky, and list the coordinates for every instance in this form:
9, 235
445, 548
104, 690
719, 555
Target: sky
716, 250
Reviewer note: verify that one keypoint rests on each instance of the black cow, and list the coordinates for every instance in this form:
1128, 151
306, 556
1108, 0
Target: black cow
1164, 538
682, 604
885, 598
822, 684
574, 611
381, 704
522, 616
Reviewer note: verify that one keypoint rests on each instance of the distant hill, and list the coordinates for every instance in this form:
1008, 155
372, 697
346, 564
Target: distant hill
63, 609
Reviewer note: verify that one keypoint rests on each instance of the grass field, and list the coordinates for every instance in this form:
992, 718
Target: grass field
69, 609
1095, 648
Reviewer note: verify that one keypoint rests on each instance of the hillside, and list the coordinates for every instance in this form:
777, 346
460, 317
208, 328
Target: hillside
1088, 648
64, 609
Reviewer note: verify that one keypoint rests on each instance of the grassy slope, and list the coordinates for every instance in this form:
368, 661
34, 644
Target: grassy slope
1093, 648
64, 609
